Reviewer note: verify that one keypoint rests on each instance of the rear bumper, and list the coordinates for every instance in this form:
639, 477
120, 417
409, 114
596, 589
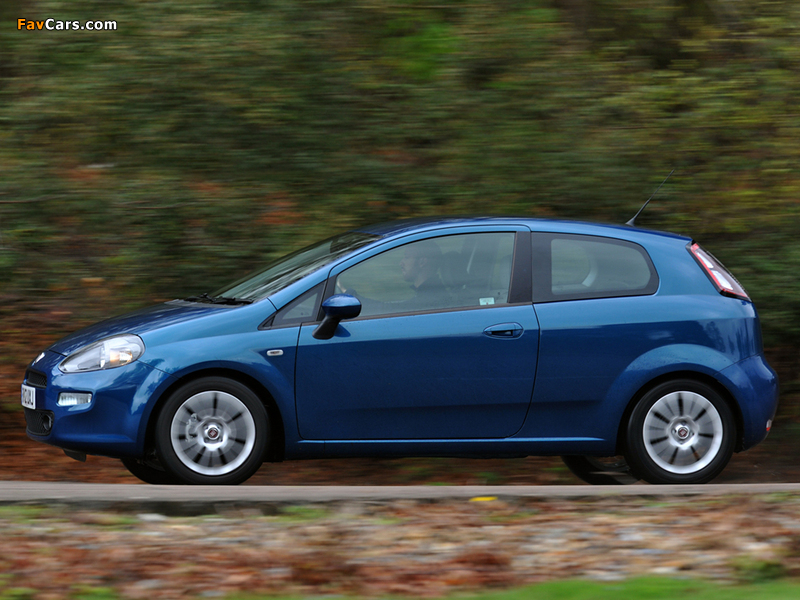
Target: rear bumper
756, 385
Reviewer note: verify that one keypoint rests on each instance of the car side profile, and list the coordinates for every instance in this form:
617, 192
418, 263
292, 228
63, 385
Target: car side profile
633, 354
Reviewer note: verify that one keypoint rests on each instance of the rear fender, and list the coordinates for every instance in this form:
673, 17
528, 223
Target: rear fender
660, 364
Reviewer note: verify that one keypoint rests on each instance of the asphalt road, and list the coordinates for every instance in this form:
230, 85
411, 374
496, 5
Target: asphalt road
200, 499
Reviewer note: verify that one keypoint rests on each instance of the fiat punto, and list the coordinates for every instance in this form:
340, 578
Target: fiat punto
633, 354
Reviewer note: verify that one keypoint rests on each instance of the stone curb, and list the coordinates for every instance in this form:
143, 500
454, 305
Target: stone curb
194, 500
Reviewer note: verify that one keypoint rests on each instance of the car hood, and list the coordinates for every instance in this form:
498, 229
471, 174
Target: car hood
139, 322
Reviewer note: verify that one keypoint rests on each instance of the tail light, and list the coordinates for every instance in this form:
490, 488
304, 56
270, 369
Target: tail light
722, 279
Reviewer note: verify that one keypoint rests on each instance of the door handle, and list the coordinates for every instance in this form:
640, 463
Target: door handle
504, 331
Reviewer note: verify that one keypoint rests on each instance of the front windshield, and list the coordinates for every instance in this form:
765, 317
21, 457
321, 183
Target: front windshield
293, 267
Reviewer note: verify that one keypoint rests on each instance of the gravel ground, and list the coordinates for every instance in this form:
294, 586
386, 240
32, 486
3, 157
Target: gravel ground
402, 547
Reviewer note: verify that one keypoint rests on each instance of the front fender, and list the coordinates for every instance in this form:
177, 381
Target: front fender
240, 353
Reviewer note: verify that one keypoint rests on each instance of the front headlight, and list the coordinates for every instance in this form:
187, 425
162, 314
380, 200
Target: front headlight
111, 352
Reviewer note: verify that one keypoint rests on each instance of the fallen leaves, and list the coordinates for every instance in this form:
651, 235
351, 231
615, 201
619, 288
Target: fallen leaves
399, 548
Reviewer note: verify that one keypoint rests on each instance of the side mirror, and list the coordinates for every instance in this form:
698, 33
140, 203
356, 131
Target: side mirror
336, 308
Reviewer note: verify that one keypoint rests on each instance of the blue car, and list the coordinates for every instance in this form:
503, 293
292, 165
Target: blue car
633, 354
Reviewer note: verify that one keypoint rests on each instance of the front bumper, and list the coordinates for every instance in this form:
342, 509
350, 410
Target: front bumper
113, 423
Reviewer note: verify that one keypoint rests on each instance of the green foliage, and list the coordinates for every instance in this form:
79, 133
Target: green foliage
18, 594
302, 514
649, 588
751, 570
94, 593
654, 588
198, 141
26, 513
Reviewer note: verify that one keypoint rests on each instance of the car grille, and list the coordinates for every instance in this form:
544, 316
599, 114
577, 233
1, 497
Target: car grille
38, 422
35, 379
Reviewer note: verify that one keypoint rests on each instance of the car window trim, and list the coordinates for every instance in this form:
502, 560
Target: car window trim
438, 311
521, 287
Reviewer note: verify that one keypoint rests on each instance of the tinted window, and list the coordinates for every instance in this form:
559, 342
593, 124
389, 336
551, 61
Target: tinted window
455, 271
593, 267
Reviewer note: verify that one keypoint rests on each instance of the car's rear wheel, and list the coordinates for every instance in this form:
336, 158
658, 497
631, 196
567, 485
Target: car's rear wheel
681, 431
212, 431
612, 470
148, 470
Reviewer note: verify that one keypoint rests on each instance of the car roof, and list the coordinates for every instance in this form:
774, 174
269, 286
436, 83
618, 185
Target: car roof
403, 226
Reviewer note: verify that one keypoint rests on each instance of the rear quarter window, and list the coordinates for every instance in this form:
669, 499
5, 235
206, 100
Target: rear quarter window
573, 267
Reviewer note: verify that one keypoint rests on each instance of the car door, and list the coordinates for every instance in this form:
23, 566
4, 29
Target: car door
451, 357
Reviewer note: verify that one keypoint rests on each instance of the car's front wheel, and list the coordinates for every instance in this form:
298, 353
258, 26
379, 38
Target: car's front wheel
212, 431
681, 431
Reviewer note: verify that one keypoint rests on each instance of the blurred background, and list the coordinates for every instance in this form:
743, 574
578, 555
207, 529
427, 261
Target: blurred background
202, 139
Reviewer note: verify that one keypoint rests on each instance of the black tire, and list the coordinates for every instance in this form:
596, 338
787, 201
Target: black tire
212, 431
681, 431
149, 471
612, 470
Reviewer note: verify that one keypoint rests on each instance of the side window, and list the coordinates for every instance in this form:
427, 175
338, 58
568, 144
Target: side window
456, 271
302, 309
593, 267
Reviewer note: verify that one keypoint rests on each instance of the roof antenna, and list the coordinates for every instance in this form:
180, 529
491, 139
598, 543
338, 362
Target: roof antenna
633, 220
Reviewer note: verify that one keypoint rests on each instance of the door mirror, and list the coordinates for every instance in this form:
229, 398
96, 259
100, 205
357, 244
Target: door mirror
342, 306
336, 308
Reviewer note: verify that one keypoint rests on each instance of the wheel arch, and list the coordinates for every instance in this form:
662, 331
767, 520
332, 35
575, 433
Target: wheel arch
697, 376
277, 443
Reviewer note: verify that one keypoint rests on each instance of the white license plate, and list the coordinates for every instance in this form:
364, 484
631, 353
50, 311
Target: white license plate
28, 396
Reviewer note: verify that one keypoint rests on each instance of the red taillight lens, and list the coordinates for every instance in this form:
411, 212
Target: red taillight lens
718, 274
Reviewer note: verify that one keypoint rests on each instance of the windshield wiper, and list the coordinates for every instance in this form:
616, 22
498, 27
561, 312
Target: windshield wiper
224, 300
204, 297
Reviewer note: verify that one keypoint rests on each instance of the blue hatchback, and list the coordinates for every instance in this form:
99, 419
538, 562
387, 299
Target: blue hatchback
633, 354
